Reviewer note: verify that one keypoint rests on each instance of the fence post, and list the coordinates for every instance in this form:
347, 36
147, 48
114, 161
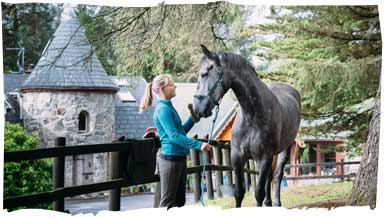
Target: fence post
208, 176
227, 162
318, 160
253, 176
157, 195
342, 170
58, 175
196, 176
219, 174
114, 194
246, 177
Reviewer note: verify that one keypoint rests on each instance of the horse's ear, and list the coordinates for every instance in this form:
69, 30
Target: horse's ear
207, 52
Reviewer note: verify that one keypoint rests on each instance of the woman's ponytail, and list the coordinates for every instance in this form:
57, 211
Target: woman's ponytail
158, 82
146, 100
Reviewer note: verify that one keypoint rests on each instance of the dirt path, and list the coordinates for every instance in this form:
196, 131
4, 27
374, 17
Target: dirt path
329, 204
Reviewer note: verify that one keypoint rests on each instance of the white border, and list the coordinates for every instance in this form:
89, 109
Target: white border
195, 211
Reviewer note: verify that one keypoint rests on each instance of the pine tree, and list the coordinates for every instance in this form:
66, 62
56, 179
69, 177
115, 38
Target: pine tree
332, 55
163, 39
31, 25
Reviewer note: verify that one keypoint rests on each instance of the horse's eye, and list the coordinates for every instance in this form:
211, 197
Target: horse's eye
210, 68
204, 74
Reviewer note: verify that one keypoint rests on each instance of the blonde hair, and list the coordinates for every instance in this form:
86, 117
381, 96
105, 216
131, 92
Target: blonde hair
158, 82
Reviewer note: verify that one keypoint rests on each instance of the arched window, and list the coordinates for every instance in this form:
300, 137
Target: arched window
83, 121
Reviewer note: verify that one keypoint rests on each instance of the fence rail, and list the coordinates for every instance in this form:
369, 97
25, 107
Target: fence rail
115, 183
341, 175
35, 154
221, 165
321, 164
321, 177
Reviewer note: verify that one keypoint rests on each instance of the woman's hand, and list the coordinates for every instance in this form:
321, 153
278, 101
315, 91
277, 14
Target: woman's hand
206, 147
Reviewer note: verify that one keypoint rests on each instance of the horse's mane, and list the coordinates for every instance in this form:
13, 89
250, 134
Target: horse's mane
236, 62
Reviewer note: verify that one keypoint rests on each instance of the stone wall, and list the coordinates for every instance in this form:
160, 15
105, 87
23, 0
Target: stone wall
56, 114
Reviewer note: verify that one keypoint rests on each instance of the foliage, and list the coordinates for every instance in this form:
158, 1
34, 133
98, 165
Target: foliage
25, 177
305, 155
32, 24
91, 23
342, 32
332, 55
163, 39
336, 85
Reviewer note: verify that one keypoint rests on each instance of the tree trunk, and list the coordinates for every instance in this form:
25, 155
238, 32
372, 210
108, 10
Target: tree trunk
365, 185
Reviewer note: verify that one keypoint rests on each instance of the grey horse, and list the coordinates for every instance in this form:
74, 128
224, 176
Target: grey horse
266, 124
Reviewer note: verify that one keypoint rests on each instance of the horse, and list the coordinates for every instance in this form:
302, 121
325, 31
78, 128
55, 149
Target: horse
266, 124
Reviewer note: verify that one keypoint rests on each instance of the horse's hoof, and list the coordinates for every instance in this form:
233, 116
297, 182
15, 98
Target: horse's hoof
268, 204
277, 204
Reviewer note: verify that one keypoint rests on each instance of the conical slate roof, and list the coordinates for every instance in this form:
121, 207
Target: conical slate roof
68, 63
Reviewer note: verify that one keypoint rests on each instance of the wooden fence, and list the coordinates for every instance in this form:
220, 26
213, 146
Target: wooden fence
338, 165
221, 164
218, 161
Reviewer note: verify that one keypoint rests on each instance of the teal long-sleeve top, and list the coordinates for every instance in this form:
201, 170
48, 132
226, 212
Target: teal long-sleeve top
171, 131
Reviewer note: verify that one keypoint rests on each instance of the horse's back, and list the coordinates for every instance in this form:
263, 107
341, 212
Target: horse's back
282, 90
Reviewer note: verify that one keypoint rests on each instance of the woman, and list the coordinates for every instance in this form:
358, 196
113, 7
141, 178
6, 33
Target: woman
174, 143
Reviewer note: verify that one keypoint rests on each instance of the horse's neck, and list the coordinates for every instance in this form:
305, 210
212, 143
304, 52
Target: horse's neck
252, 95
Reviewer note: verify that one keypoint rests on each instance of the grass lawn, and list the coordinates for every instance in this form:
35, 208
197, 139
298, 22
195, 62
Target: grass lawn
297, 196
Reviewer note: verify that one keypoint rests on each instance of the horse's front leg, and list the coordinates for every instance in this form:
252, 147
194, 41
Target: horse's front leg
238, 165
265, 166
278, 174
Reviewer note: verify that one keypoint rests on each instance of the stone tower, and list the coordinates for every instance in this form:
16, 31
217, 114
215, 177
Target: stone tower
68, 94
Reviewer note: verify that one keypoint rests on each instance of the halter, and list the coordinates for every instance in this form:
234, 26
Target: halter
219, 81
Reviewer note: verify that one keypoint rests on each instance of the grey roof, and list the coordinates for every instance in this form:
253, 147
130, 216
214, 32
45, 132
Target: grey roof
359, 108
184, 96
68, 62
13, 114
129, 122
13, 81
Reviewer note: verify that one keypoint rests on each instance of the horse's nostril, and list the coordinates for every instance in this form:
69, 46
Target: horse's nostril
207, 112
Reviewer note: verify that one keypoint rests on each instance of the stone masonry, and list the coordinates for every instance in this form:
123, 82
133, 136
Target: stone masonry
56, 114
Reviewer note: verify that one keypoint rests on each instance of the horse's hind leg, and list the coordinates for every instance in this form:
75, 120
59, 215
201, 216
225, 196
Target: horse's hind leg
238, 165
265, 166
278, 174
268, 199
268, 183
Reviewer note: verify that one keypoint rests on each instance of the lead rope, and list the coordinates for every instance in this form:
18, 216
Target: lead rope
204, 162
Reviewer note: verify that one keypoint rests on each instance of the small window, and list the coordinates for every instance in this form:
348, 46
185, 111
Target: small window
83, 121
126, 97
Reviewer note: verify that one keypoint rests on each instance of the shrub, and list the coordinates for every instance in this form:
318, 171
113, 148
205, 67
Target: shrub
25, 177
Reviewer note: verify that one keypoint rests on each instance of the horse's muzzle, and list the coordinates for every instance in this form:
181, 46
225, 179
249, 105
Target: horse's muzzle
207, 112
195, 116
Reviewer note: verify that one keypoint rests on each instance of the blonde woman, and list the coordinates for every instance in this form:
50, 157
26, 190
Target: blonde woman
175, 144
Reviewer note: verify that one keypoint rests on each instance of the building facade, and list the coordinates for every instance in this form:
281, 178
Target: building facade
68, 94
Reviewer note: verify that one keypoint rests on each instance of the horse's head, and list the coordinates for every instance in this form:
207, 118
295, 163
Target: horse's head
212, 84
